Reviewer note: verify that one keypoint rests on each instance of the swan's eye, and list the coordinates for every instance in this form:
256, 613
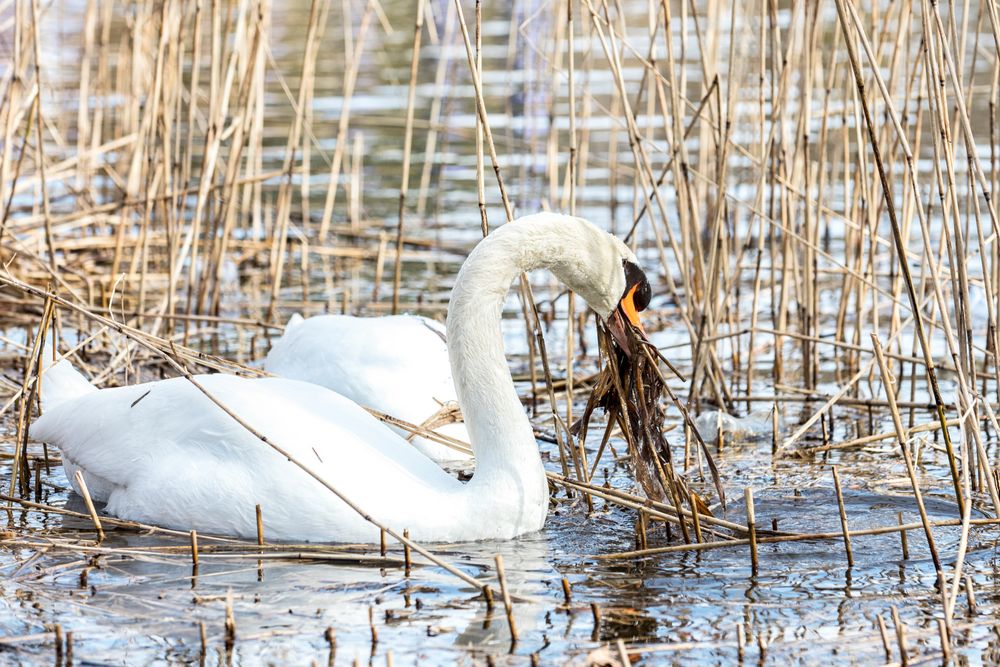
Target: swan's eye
637, 283
642, 296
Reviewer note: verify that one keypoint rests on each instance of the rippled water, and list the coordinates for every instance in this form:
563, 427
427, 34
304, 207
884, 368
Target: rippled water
142, 604
139, 606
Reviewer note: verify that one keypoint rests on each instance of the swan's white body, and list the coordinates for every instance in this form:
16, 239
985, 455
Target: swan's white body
177, 460
396, 364
164, 453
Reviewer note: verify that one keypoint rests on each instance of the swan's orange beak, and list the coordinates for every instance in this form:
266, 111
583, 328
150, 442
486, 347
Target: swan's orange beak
626, 312
627, 305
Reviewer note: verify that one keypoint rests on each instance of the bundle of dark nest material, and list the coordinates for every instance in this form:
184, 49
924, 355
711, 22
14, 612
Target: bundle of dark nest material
629, 388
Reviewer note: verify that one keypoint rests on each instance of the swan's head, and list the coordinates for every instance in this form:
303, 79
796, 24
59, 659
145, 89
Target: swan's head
635, 298
606, 273
591, 262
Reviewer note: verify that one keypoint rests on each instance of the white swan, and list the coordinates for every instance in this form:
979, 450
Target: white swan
396, 364
163, 453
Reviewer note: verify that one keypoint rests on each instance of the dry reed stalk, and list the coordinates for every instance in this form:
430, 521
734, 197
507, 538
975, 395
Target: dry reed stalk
39, 138
884, 634
944, 636
82, 484
904, 545
330, 635
622, 653
484, 222
350, 81
888, 383
595, 612
19, 470
230, 623
642, 540
657, 510
900, 637
222, 553
751, 528
843, 518
571, 178
963, 543
407, 148
970, 596
406, 550
202, 643
877, 437
942, 589
507, 604
579, 468
488, 598
481, 110
118, 523
57, 629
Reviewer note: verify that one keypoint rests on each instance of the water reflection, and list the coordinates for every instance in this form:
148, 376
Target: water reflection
803, 603
802, 599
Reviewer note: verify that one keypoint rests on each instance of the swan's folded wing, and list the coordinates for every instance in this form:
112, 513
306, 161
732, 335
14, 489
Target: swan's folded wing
171, 430
396, 364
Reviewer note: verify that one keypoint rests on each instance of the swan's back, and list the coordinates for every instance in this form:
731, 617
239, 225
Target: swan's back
396, 364
163, 452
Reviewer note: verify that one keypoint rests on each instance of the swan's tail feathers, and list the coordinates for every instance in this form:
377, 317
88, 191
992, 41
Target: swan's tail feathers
294, 321
61, 382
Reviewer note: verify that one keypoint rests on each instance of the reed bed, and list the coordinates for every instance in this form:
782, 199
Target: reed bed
809, 185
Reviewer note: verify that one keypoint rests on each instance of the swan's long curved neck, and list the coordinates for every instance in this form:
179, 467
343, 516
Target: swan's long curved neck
509, 487
502, 440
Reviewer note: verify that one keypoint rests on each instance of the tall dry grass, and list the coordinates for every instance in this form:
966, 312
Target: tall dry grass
798, 177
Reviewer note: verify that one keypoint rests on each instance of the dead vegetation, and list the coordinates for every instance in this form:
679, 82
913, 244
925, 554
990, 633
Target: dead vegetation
811, 184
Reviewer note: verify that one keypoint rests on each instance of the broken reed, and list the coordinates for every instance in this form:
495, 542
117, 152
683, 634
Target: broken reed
629, 390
